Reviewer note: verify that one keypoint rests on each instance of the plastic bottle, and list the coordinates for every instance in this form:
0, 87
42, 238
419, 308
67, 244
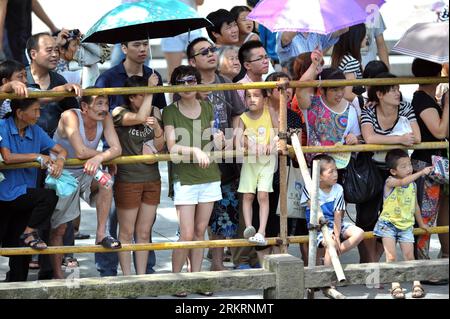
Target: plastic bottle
103, 178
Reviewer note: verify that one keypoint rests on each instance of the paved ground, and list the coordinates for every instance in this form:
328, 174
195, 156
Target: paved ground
165, 230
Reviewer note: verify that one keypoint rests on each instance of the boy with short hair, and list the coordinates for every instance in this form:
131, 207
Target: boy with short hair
332, 203
400, 206
225, 30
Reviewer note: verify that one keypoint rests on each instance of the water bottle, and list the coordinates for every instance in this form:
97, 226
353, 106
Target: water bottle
215, 127
103, 178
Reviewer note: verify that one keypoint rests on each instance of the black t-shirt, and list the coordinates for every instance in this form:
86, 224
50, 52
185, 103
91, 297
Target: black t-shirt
421, 102
51, 112
18, 26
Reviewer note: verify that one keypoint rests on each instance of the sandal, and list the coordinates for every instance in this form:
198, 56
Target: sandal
35, 243
110, 242
182, 294
397, 293
249, 231
80, 236
258, 239
206, 293
418, 291
34, 264
70, 262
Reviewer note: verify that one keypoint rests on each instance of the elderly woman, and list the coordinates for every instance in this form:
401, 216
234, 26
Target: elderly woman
24, 207
229, 64
384, 120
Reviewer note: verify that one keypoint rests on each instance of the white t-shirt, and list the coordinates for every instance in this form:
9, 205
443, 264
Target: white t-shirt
329, 202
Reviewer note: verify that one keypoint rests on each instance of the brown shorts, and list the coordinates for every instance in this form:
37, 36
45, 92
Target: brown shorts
131, 195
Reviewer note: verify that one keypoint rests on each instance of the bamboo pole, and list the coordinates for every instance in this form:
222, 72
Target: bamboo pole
231, 86
181, 244
313, 221
227, 154
370, 235
283, 171
325, 231
313, 218
368, 147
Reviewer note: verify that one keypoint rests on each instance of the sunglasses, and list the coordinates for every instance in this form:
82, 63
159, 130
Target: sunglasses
206, 51
189, 80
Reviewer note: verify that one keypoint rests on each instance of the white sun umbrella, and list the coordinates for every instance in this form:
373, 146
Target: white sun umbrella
427, 41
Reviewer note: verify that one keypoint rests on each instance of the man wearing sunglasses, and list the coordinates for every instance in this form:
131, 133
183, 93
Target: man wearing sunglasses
202, 54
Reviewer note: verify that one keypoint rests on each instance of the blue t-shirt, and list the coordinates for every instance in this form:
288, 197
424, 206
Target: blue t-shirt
329, 202
116, 77
269, 41
301, 44
35, 140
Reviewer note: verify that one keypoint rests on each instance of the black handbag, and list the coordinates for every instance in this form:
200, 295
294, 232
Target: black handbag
362, 180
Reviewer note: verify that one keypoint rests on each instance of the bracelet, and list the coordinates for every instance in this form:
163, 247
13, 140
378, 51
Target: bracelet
154, 135
61, 157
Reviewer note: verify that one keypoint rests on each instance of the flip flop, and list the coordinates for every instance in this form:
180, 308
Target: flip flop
79, 235
418, 291
206, 293
110, 242
397, 293
34, 264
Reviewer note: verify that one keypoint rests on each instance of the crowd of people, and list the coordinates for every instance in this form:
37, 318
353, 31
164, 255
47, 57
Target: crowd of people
229, 199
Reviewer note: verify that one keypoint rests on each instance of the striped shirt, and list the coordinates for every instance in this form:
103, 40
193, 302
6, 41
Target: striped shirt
350, 65
369, 116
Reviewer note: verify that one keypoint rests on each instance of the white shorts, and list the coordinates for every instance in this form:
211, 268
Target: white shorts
195, 194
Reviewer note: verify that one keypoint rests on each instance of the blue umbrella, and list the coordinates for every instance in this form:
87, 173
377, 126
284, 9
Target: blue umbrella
150, 19
64, 186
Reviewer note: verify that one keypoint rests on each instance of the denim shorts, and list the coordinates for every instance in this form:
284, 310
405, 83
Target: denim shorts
386, 229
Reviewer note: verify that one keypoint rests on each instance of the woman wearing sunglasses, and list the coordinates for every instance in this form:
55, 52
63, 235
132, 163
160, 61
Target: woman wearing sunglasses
188, 127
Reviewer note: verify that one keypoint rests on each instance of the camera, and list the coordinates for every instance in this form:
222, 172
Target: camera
73, 34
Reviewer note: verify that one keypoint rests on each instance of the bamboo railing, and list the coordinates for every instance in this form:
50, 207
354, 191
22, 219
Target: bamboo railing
213, 155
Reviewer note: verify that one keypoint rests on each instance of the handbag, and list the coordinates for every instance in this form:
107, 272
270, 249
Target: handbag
362, 180
440, 171
295, 186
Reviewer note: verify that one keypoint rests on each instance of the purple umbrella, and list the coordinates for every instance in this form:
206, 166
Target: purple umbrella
319, 16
